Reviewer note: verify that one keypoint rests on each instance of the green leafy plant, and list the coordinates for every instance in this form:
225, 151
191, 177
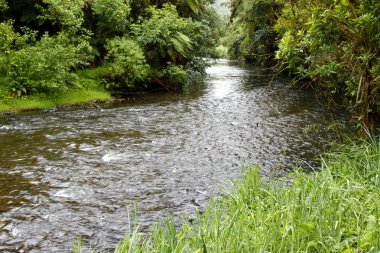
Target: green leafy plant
255, 20
111, 16
3, 6
162, 35
335, 46
46, 66
68, 15
125, 64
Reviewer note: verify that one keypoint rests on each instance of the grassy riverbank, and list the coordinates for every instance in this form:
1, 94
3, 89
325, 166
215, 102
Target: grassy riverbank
333, 210
44, 102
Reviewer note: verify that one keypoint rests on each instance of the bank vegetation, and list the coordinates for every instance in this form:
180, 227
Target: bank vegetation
51, 50
332, 46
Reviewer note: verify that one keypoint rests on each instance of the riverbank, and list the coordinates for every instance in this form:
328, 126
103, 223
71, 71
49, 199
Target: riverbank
333, 210
66, 99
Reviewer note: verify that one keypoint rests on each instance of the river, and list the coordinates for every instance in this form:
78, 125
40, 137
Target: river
65, 174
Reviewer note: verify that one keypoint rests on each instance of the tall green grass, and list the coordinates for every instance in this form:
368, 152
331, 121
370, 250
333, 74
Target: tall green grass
333, 210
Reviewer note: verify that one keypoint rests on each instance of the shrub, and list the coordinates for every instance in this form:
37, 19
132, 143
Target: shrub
46, 66
125, 65
111, 15
162, 35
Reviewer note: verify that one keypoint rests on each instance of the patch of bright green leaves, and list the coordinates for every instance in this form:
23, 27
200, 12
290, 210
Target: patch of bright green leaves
162, 35
126, 64
111, 16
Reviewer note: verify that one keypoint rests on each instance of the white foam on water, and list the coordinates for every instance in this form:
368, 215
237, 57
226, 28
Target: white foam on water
64, 194
111, 157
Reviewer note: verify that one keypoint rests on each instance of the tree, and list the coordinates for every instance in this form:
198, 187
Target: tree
256, 17
162, 35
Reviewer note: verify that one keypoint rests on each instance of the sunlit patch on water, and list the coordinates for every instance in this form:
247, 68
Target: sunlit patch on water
221, 88
65, 194
112, 157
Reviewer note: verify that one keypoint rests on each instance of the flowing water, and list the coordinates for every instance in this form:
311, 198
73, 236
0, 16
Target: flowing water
66, 174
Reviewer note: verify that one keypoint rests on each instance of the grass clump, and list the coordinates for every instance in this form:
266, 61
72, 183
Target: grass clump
333, 210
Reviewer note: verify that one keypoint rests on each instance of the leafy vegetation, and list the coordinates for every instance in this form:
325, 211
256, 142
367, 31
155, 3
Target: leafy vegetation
333, 210
51, 46
126, 65
333, 45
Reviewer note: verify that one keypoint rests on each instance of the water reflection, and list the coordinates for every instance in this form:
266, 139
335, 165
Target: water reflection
15, 190
221, 88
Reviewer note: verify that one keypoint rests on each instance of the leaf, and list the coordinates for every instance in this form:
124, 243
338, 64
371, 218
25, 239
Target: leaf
312, 244
194, 5
308, 227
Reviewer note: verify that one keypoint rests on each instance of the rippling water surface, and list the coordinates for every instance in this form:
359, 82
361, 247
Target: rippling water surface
77, 173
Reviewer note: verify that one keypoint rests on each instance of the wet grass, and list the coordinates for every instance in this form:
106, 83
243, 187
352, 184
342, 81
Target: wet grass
333, 210
45, 102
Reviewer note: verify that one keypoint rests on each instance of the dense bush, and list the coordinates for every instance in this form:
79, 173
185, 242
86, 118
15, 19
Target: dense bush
30, 66
174, 45
67, 15
334, 45
111, 15
256, 39
126, 65
162, 35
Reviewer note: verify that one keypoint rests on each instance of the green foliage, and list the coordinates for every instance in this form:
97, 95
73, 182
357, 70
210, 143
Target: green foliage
162, 35
47, 46
255, 18
3, 6
196, 6
175, 45
177, 75
68, 14
290, 53
10, 42
111, 15
204, 34
262, 44
332, 44
44, 67
7, 37
126, 65
336, 46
